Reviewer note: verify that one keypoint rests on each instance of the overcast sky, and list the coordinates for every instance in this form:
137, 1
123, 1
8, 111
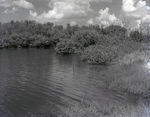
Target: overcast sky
75, 11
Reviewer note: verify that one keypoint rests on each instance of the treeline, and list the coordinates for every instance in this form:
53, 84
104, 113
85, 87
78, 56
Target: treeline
95, 44
32, 34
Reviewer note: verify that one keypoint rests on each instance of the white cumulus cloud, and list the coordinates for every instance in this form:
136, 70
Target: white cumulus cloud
90, 21
13, 10
73, 23
23, 4
6, 3
105, 18
20, 3
63, 10
136, 9
146, 19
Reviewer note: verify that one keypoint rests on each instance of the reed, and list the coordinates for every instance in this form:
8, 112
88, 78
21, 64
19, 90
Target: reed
107, 109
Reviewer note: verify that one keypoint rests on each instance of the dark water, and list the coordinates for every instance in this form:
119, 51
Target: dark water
39, 82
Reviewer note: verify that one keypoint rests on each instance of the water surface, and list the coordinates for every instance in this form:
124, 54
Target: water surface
39, 82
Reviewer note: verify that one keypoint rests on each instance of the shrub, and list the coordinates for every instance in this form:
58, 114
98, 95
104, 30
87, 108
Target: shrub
126, 47
84, 38
57, 36
98, 54
116, 31
65, 46
138, 36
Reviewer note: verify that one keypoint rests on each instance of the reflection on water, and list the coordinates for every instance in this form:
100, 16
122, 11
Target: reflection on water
38, 81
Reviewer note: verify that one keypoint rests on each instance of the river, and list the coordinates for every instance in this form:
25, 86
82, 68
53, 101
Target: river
38, 81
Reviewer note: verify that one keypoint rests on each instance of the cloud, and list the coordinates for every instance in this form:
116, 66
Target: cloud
105, 18
13, 10
79, 1
135, 9
63, 10
20, 3
32, 14
90, 21
73, 23
146, 19
6, 3
23, 4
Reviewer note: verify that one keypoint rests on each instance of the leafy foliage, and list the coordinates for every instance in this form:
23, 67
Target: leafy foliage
96, 44
98, 55
84, 38
65, 46
116, 31
139, 36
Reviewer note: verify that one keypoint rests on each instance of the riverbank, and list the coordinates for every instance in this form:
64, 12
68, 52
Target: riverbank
129, 55
94, 45
108, 109
131, 75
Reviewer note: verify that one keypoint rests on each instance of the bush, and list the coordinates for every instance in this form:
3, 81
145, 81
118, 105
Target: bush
57, 36
138, 36
126, 47
84, 38
116, 31
65, 46
98, 54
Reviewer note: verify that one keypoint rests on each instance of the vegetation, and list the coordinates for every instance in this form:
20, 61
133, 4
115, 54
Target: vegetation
139, 36
95, 45
98, 54
65, 46
132, 75
108, 109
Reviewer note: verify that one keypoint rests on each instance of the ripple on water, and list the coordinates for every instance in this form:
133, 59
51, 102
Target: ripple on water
36, 81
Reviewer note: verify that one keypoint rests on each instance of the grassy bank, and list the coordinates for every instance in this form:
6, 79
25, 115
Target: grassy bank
95, 45
130, 74
108, 109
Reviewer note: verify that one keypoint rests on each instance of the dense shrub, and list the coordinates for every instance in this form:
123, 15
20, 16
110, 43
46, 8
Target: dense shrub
138, 36
115, 30
41, 41
57, 36
84, 38
126, 47
98, 54
65, 46
25, 40
108, 40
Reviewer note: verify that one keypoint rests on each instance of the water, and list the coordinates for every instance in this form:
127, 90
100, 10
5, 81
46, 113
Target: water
39, 82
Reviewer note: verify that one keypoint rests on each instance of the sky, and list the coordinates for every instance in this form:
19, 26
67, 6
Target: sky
76, 11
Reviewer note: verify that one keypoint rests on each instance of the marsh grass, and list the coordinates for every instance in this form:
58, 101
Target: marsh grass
131, 74
108, 109
138, 56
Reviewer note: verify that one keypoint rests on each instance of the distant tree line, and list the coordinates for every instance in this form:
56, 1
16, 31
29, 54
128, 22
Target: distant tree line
93, 43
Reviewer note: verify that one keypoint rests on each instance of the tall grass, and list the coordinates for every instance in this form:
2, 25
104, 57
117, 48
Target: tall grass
130, 74
138, 56
108, 109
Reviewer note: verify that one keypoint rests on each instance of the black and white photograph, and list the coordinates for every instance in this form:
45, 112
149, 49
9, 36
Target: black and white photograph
74, 58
